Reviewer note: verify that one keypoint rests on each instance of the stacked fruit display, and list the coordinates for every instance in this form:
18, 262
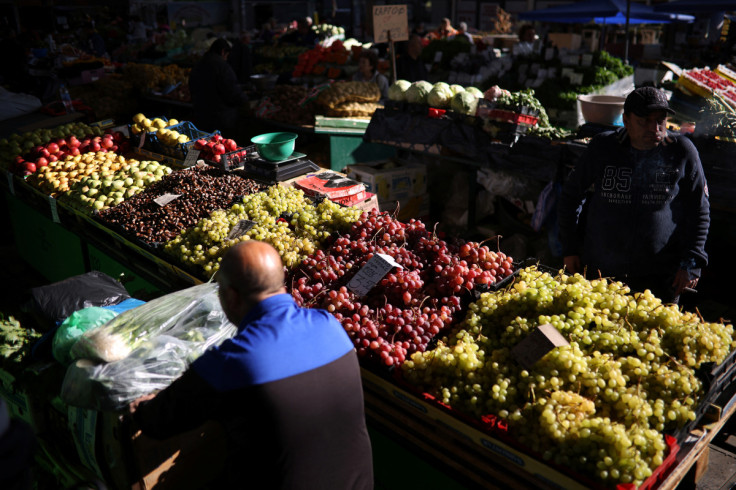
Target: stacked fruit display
107, 188
598, 405
216, 147
59, 176
176, 202
409, 305
282, 216
43, 155
142, 124
19, 144
708, 83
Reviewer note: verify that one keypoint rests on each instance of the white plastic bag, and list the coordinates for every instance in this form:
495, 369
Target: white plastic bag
144, 349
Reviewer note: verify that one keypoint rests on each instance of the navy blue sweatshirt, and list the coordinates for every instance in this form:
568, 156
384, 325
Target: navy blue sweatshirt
647, 211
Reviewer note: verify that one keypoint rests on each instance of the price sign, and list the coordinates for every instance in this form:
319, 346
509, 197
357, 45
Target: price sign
240, 228
11, 183
372, 272
390, 19
542, 340
54, 210
191, 158
586, 59
576, 78
165, 199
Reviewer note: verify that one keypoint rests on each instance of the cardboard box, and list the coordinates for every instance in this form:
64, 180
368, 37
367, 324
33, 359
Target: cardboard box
416, 207
391, 180
565, 40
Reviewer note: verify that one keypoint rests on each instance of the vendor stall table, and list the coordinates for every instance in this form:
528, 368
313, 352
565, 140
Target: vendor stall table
346, 145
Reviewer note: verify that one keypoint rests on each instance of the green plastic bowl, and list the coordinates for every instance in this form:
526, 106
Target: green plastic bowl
275, 146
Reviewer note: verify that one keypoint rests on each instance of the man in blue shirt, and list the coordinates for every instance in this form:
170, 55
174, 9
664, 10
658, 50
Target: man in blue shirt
286, 387
646, 213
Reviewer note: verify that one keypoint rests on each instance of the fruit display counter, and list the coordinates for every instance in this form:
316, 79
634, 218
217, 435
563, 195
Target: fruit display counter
611, 399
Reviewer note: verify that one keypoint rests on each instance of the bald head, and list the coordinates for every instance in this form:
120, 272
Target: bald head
250, 272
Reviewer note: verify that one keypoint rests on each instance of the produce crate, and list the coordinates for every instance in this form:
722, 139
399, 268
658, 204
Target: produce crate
232, 159
180, 150
512, 117
149, 139
456, 430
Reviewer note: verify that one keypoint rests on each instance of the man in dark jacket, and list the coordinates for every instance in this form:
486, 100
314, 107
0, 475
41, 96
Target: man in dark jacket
216, 96
646, 212
286, 387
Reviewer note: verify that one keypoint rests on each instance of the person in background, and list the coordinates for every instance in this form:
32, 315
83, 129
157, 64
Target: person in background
286, 387
419, 29
636, 205
445, 30
463, 32
303, 35
268, 31
241, 58
216, 95
527, 41
368, 72
94, 42
137, 30
410, 66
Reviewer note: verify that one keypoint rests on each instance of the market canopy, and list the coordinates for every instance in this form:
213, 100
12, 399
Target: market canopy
694, 6
604, 12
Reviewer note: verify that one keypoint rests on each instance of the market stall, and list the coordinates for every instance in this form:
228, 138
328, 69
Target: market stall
625, 392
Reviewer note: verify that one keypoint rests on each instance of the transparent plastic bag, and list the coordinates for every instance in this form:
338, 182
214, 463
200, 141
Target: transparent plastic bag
159, 339
76, 325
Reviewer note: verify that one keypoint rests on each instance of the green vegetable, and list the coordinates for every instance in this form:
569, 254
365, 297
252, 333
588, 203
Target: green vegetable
418, 92
456, 89
440, 95
15, 340
397, 90
464, 103
474, 91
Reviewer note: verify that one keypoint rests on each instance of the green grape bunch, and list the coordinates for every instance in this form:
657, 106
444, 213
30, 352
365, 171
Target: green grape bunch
282, 216
599, 405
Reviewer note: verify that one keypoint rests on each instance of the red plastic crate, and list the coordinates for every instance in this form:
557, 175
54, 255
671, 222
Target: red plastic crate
512, 117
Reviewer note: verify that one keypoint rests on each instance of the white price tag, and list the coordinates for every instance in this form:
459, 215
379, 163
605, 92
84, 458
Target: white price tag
54, 210
540, 341
241, 228
371, 273
191, 158
11, 183
438, 56
566, 72
165, 199
586, 59
549, 54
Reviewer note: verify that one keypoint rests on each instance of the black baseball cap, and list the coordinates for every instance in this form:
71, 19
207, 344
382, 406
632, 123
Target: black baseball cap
645, 100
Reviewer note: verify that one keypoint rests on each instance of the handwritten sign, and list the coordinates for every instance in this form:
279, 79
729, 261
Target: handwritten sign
165, 199
54, 210
191, 158
390, 18
240, 229
372, 272
542, 340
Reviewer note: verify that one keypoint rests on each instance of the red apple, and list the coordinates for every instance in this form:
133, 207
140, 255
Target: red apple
200, 144
74, 151
29, 167
217, 137
44, 153
61, 142
219, 149
52, 158
41, 162
230, 145
107, 143
52, 147
95, 146
74, 142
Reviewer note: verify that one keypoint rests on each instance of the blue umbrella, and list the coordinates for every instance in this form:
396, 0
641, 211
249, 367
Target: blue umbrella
693, 6
595, 10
